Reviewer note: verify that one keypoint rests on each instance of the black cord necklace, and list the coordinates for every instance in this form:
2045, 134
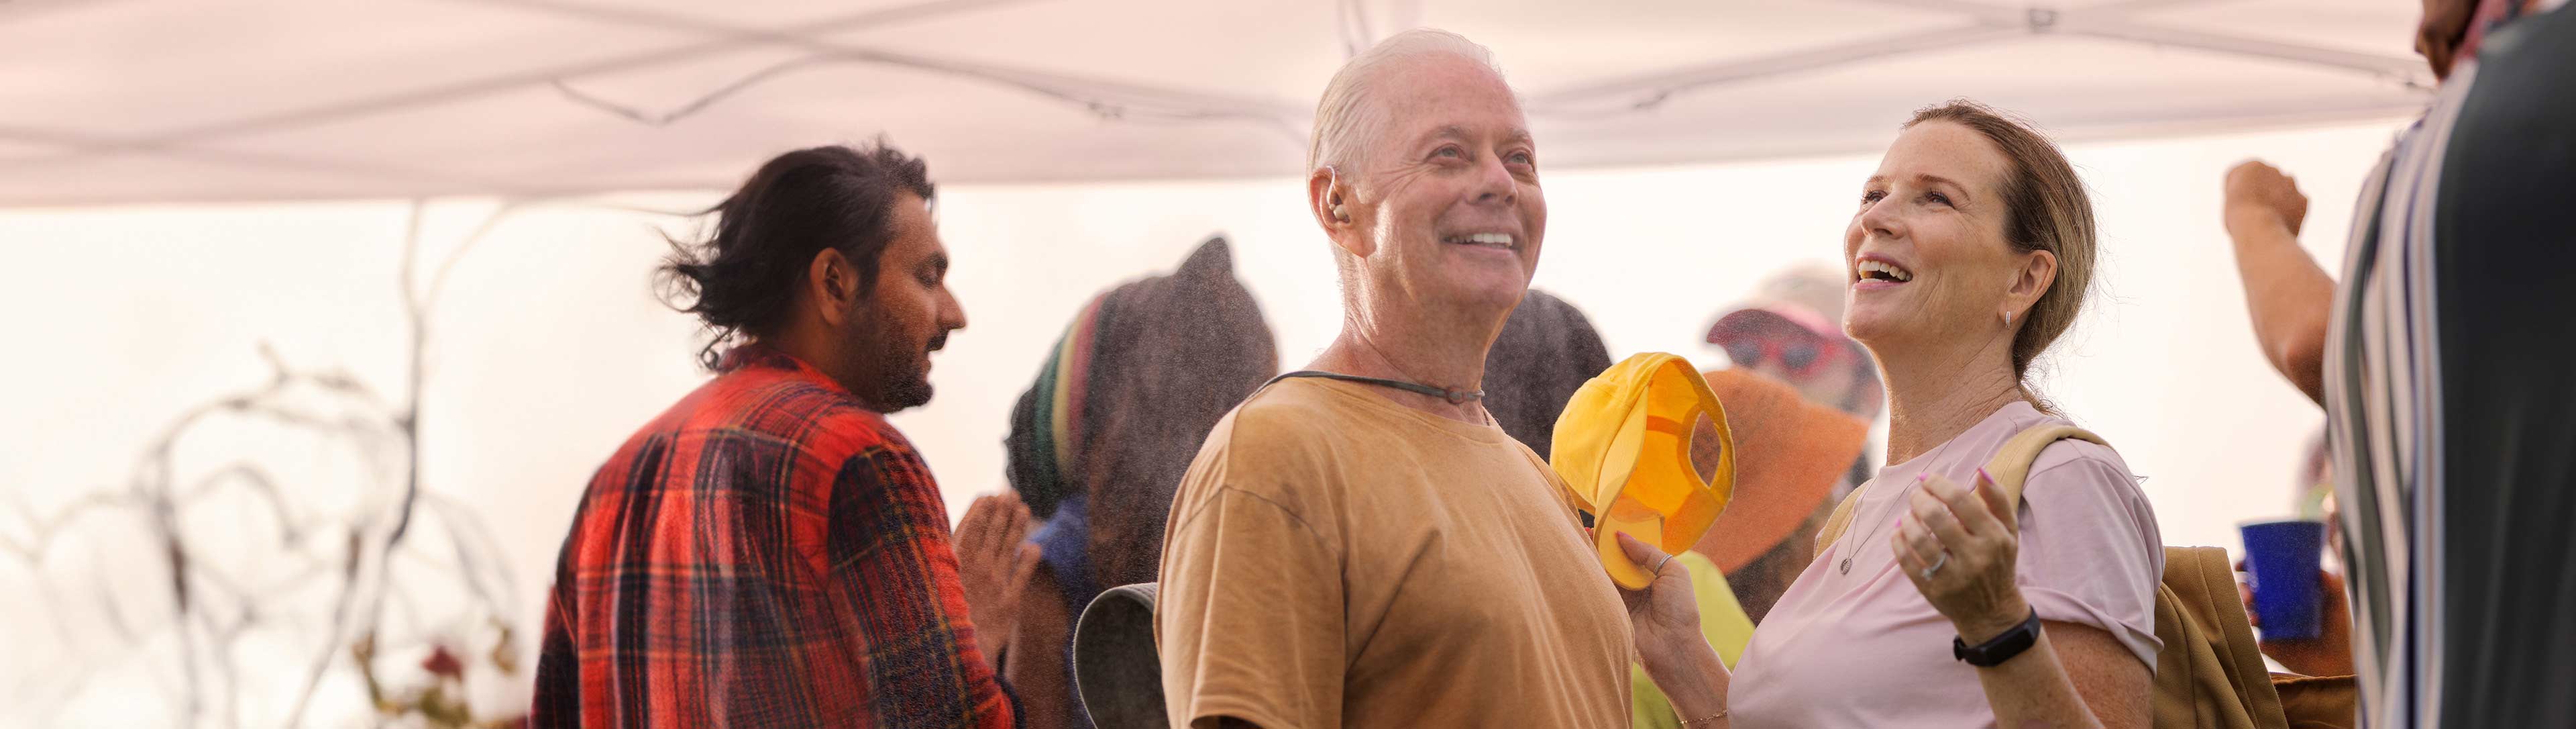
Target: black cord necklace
1454, 396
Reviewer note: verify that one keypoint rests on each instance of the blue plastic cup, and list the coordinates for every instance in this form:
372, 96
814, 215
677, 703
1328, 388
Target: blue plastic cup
2281, 565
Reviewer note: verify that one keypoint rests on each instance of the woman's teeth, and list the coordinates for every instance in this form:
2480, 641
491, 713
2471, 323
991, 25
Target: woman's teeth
1882, 271
1498, 240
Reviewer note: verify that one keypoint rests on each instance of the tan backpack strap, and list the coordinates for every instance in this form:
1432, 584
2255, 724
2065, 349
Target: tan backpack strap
2011, 464
2010, 467
1841, 520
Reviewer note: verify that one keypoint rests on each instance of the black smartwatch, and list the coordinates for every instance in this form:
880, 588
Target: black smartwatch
2000, 648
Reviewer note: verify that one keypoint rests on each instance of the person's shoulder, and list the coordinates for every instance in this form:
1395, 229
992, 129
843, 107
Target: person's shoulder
1278, 442
2074, 456
2073, 472
2066, 454
820, 421
1290, 416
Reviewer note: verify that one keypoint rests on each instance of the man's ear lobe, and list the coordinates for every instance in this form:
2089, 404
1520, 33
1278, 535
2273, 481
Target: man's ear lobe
1351, 239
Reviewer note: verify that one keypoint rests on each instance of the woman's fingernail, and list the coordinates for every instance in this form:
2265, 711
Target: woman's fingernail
1982, 475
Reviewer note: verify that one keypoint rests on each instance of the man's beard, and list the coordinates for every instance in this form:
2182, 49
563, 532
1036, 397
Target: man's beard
906, 386
890, 372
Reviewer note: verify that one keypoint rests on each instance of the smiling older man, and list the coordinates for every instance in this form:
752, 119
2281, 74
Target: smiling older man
1361, 545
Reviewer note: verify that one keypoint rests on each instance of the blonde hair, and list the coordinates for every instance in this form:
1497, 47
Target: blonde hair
2046, 209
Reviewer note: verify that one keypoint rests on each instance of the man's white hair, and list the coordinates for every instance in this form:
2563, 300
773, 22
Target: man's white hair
1349, 120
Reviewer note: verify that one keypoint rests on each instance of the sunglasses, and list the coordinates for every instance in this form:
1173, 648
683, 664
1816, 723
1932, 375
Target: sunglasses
1796, 351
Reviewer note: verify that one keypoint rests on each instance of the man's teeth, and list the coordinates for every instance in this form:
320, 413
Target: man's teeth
1490, 239
1885, 271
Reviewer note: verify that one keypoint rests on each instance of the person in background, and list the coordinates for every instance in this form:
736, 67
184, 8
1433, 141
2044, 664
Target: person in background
1546, 351
770, 552
1969, 254
1798, 397
2448, 411
2288, 296
1359, 544
1098, 444
1791, 331
2330, 652
1789, 452
1787, 335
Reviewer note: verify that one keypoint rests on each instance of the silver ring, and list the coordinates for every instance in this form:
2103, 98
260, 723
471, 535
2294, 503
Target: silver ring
1659, 564
1936, 565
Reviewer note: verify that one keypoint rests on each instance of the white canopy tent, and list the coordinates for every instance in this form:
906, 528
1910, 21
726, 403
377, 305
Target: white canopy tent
430, 127
119, 101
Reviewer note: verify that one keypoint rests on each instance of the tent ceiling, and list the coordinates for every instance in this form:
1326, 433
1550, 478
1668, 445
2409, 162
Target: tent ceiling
116, 101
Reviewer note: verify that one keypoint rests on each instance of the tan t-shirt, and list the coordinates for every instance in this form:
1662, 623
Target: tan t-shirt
1336, 559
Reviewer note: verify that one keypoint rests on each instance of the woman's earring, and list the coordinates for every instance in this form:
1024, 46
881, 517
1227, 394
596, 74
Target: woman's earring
2007, 318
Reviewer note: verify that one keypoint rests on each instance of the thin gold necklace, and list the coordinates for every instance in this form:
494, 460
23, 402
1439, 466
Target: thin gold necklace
1845, 565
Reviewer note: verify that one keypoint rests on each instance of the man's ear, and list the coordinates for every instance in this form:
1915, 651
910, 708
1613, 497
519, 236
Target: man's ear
1334, 208
832, 285
2038, 270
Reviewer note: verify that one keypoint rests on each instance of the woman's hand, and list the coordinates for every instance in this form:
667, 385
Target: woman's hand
1960, 545
1663, 619
994, 562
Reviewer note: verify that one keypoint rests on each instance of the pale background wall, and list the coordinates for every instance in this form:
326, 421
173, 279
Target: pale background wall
548, 349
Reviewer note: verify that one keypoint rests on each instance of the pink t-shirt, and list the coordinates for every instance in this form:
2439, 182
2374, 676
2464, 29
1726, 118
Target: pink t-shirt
1864, 649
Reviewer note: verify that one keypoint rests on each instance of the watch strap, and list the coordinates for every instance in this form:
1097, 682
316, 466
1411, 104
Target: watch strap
2000, 648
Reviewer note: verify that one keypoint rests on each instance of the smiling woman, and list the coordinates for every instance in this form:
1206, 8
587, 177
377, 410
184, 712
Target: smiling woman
1970, 254
2035, 204
2045, 209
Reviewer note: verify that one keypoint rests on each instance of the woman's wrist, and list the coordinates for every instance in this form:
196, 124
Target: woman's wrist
2007, 615
1690, 674
1667, 650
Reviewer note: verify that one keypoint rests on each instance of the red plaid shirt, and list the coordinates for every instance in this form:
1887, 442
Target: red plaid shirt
767, 553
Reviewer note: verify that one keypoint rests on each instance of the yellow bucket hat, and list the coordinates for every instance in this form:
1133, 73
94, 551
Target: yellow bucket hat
1623, 448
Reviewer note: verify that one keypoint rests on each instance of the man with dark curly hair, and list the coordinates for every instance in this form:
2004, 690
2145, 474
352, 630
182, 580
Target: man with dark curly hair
769, 551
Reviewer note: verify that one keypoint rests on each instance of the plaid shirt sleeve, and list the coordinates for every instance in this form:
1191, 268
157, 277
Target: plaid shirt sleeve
698, 590
889, 544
